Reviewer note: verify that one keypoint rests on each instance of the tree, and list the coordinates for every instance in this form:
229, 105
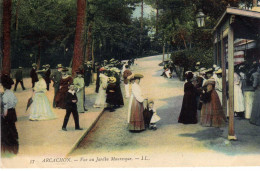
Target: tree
79, 36
7, 9
1, 34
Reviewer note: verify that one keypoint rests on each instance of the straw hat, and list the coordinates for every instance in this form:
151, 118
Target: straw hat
219, 71
47, 65
138, 76
34, 64
198, 63
209, 70
59, 66
111, 79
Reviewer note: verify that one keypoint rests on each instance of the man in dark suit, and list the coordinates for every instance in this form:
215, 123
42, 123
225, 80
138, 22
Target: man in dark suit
47, 76
33, 74
56, 77
19, 78
71, 107
87, 73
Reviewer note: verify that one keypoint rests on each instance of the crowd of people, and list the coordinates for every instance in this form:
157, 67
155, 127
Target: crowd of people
202, 101
69, 94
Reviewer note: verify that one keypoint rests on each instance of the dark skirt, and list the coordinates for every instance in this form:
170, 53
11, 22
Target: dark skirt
255, 115
119, 96
9, 134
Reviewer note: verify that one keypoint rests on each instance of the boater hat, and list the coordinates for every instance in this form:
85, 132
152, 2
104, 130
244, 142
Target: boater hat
34, 64
59, 66
219, 71
198, 63
47, 65
138, 76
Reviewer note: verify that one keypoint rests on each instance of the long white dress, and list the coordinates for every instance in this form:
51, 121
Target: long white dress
101, 96
239, 104
41, 108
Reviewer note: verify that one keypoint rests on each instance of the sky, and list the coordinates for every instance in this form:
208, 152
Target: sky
147, 11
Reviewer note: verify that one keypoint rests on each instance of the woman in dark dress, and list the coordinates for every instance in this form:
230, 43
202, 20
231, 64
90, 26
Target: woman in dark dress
119, 95
9, 134
188, 113
65, 81
111, 93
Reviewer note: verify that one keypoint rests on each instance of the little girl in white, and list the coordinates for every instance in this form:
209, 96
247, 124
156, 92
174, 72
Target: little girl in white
150, 116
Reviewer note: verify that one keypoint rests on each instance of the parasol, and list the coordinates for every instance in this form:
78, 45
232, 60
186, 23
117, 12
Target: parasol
30, 100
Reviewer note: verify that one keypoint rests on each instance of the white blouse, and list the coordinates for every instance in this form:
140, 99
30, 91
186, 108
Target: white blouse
136, 90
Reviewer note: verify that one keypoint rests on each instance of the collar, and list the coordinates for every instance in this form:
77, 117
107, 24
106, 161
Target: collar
71, 92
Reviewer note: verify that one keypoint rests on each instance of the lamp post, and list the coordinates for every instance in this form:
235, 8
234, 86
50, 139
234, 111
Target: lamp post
200, 18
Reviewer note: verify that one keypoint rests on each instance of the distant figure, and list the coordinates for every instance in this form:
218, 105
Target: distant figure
9, 134
47, 76
33, 74
97, 79
87, 73
19, 78
71, 107
188, 113
101, 96
111, 93
56, 77
126, 74
79, 88
255, 116
41, 108
65, 81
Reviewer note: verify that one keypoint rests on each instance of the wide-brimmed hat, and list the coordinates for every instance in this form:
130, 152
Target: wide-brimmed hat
189, 75
216, 68
219, 71
150, 101
47, 65
138, 76
210, 70
105, 60
59, 66
65, 69
34, 64
111, 79
44, 66
6, 81
210, 81
102, 69
112, 59
198, 63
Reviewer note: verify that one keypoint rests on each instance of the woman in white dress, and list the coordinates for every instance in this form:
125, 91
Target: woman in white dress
239, 104
101, 96
41, 108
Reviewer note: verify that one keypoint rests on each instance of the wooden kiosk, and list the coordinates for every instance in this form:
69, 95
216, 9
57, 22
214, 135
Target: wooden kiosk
235, 23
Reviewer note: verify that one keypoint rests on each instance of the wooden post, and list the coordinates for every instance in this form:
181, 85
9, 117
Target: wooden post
1, 34
224, 75
231, 130
163, 52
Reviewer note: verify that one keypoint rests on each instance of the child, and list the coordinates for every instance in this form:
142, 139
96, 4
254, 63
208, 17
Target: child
71, 107
150, 116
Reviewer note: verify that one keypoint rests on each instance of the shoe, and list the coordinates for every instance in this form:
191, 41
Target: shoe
64, 129
78, 128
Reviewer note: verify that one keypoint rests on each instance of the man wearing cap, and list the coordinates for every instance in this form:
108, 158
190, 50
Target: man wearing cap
47, 76
33, 74
56, 77
87, 73
19, 78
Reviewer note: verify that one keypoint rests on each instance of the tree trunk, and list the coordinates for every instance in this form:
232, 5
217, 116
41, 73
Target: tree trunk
89, 43
78, 55
1, 34
7, 4
157, 17
142, 16
39, 56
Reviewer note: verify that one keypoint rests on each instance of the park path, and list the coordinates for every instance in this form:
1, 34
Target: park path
172, 144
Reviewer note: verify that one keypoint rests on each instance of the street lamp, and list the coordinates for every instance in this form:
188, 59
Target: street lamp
200, 17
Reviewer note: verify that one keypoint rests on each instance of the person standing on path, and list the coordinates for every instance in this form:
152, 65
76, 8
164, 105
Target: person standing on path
87, 73
65, 81
33, 74
212, 114
19, 78
239, 103
41, 108
136, 108
47, 76
126, 74
56, 77
79, 87
188, 113
101, 96
9, 134
255, 115
97, 78
71, 107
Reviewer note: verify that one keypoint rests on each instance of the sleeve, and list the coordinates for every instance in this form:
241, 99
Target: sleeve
137, 93
5, 101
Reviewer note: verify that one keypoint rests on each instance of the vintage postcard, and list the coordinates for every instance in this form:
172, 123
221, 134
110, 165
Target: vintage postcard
129, 83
